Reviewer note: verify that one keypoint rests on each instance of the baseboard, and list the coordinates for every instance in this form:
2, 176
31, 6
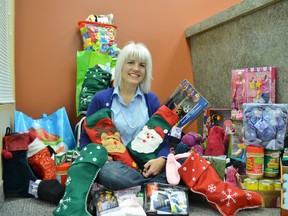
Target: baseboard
1, 194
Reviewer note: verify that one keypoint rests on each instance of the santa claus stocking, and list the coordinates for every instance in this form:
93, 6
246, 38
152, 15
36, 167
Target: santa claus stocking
200, 177
147, 143
101, 130
81, 175
39, 158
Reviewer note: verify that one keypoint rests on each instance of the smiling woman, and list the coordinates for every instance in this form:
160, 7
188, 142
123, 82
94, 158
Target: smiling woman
132, 104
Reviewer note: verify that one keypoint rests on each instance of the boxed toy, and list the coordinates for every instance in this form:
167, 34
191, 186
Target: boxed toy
214, 116
265, 125
261, 84
238, 93
237, 147
187, 102
165, 199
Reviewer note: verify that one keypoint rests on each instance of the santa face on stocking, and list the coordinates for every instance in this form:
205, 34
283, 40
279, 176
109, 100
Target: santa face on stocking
147, 141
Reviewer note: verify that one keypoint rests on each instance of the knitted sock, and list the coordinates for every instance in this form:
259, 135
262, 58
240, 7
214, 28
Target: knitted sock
147, 143
200, 177
81, 175
40, 160
101, 130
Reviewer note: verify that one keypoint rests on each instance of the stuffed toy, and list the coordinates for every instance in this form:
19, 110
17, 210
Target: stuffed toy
193, 140
215, 145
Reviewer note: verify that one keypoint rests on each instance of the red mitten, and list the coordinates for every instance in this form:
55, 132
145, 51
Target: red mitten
200, 177
39, 158
101, 130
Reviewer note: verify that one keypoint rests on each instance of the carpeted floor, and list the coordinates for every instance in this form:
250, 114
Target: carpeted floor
36, 207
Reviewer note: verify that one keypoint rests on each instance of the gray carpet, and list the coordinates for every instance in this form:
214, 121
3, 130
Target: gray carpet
35, 207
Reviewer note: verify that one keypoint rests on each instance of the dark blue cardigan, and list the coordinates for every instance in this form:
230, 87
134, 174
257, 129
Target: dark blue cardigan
103, 99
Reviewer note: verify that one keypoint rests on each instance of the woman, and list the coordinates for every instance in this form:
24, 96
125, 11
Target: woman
131, 104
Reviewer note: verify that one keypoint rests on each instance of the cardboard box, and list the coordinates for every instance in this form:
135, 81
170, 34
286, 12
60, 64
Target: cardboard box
283, 169
271, 198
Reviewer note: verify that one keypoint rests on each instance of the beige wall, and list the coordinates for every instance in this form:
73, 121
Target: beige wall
47, 39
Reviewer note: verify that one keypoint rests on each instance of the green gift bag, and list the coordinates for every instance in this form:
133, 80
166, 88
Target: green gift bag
88, 59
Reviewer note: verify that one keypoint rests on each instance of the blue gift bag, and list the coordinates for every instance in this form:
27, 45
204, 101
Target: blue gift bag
54, 130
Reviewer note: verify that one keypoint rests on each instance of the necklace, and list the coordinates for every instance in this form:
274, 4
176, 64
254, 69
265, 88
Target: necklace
128, 124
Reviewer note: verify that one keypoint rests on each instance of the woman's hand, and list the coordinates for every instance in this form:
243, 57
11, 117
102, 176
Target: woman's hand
154, 167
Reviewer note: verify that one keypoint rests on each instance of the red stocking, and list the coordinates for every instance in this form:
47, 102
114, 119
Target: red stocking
200, 177
40, 160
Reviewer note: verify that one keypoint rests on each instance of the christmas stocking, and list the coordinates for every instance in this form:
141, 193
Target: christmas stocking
81, 175
200, 177
101, 130
16, 171
147, 143
39, 158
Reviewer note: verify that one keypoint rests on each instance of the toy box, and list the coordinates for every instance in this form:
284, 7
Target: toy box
237, 147
238, 93
261, 84
187, 102
214, 116
265, 125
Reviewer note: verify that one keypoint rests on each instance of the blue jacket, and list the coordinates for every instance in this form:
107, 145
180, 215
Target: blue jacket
103, 99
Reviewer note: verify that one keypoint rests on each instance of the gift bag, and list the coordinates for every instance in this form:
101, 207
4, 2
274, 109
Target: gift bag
88, 59
53, 130
16, 170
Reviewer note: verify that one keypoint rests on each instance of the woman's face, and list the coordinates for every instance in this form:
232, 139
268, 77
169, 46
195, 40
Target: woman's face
133, 71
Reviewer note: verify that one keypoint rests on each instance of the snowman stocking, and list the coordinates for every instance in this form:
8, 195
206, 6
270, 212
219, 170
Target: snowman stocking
101, 130
147, 143
39, 158
200, 177
81, 175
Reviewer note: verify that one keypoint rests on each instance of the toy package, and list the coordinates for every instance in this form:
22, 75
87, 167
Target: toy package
120, 202
214, 117
165, 199
265, 125
237, 146
261, 85
187, 102
105, 200
238, 93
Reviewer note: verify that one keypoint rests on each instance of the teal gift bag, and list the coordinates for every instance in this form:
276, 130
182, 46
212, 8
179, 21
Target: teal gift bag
54, 129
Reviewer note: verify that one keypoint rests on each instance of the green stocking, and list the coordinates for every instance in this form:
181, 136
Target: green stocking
81, 176
147, 143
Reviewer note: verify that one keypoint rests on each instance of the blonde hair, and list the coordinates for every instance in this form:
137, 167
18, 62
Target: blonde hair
140, 52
